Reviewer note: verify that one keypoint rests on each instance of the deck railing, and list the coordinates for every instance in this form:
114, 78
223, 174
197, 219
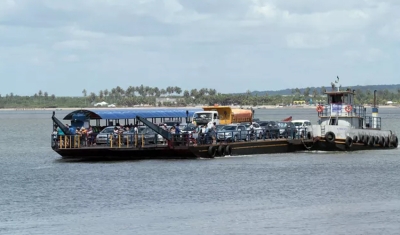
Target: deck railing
342, 110
184, 139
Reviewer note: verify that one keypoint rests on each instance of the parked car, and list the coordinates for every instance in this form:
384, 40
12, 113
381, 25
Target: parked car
219, 127
287, 129
104, 136
271, 129
149, 136
190, 128
232, 132
303, 127
258, 130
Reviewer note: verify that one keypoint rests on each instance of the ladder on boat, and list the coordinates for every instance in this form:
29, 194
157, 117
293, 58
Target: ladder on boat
323, 130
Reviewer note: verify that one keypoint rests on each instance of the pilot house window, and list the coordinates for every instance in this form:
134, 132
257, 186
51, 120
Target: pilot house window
333, 121
336, 99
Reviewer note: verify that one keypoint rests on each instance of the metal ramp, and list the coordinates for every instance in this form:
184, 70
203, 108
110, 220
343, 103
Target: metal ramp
165, 134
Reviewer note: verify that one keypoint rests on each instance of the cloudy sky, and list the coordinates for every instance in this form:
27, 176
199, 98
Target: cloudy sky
65, 46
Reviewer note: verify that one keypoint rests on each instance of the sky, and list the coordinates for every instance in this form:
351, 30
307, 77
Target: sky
62, 47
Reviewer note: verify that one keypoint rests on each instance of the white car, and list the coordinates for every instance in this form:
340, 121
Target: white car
258, 130
303, 127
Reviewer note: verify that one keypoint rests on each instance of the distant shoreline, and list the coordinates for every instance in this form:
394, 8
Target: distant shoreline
187, 107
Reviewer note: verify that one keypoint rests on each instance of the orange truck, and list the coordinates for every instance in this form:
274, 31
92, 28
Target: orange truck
222, 115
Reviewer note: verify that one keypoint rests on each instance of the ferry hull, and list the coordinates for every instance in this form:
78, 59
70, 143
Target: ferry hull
181, 152
323, 145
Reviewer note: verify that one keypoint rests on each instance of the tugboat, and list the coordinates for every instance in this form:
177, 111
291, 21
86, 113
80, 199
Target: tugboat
345, 126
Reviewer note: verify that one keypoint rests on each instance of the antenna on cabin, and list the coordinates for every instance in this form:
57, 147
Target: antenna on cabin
337, 81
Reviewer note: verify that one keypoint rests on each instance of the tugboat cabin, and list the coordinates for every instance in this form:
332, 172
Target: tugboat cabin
341, 110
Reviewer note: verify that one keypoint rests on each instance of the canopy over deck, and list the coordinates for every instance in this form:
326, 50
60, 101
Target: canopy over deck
132, 113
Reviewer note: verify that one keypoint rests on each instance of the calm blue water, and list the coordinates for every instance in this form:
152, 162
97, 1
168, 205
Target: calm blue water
302, 193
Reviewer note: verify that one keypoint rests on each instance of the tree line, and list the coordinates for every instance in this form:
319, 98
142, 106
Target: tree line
154, 96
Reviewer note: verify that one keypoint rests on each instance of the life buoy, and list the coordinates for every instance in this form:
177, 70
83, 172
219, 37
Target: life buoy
355, 138
330, 137
371, 141
221, 150
320, 108
212, 151
228, 150
348, 108
349, 142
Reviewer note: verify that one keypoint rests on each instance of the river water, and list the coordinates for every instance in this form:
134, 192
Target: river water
296, 193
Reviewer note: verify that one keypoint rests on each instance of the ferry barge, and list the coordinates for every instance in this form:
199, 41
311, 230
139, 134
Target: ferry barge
343, 126
183, 146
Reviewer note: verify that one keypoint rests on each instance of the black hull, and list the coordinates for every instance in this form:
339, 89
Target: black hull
180, 152
118, 154
208, 151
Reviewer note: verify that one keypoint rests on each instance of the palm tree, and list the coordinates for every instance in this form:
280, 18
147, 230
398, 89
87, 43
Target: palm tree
315, 93
306, 92
101, 95
186, 94
84, 92
178, 90
170, 90
92, 97
212, 92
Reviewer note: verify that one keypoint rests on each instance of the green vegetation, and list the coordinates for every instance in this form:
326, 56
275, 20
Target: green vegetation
154, 96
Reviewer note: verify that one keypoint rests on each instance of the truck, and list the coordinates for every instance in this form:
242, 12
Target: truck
222, 115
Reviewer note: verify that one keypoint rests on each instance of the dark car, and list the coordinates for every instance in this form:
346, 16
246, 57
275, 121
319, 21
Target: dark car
148, 135
287, 129
271, 129
189, 128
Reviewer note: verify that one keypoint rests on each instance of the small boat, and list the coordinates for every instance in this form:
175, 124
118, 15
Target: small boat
345, 126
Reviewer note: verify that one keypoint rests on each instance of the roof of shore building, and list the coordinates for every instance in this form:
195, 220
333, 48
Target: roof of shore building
132, 113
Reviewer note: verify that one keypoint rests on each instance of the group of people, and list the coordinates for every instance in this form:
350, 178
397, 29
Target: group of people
175, 130
207, 134
81, 135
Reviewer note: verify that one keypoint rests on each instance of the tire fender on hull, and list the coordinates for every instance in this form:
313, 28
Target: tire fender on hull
228, 150
365, 139
387, 142
349, 142
212, 150
382, 141
376, 139
221, 151
395, 141
330, 137
371, 141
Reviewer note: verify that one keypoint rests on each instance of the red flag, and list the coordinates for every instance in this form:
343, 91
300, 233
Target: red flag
288, 119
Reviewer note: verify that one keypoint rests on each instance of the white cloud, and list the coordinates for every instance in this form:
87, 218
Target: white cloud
367, 54
70, 58
189, 42
71, 44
